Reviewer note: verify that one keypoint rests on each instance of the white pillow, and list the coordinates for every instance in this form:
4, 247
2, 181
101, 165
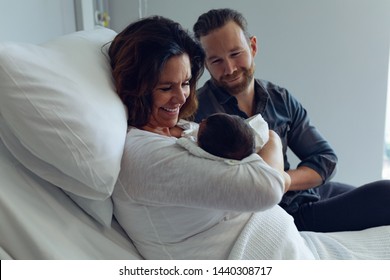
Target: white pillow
58, 106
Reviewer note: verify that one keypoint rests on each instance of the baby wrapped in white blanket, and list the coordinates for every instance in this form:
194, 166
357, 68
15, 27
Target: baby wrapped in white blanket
189, 137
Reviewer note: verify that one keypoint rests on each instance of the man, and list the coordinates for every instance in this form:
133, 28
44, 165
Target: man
232, 89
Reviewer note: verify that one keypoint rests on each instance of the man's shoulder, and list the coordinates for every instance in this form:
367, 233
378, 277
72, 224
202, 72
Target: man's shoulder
271, 89
267, 85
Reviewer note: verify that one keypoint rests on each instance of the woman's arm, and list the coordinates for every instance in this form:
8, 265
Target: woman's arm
157, 171
272, 154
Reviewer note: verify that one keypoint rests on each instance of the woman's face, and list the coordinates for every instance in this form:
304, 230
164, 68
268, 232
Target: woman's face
170, 93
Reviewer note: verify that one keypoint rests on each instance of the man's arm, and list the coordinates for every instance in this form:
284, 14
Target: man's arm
318, 159
304, 178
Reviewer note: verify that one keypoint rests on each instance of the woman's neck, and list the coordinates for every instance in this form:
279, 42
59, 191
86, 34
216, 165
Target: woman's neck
167, 131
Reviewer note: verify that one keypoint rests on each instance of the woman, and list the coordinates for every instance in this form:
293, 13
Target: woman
171, 204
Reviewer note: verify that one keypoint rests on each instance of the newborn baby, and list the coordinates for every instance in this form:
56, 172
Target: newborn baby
225, 136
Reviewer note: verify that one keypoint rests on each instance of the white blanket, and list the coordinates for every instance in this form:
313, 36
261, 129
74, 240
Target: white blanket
38, 221
272, 235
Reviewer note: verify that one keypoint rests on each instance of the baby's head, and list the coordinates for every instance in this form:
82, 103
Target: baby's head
226, 136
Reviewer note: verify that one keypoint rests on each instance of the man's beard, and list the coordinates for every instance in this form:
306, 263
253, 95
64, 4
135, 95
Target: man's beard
248, 75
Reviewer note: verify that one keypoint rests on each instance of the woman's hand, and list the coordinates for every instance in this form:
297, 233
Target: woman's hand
287, 181
272, 154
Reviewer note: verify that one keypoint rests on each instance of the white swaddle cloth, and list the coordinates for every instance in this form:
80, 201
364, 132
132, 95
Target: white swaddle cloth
194, 149
260, 127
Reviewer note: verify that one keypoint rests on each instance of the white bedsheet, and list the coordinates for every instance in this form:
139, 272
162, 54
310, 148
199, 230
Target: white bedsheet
39, 221
273, 235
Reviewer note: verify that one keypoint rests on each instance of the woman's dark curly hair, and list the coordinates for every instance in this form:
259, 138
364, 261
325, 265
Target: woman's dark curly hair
138, 55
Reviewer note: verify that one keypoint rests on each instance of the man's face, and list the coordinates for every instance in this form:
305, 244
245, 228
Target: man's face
230, 57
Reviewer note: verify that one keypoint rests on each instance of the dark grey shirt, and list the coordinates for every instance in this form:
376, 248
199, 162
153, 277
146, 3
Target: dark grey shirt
289, 119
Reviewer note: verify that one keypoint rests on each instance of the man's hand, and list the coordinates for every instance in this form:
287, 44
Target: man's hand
304, 178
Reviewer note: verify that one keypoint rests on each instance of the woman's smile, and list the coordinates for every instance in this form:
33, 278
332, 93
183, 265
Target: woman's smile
171, 110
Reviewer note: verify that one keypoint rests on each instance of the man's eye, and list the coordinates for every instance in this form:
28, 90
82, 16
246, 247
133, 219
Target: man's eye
216, 61
235, 54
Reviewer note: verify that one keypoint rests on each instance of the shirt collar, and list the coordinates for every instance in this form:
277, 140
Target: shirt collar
261, 96
221, 94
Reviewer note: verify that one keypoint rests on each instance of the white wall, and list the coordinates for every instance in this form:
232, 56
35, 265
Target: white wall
35, 21
122, 12
333, 55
